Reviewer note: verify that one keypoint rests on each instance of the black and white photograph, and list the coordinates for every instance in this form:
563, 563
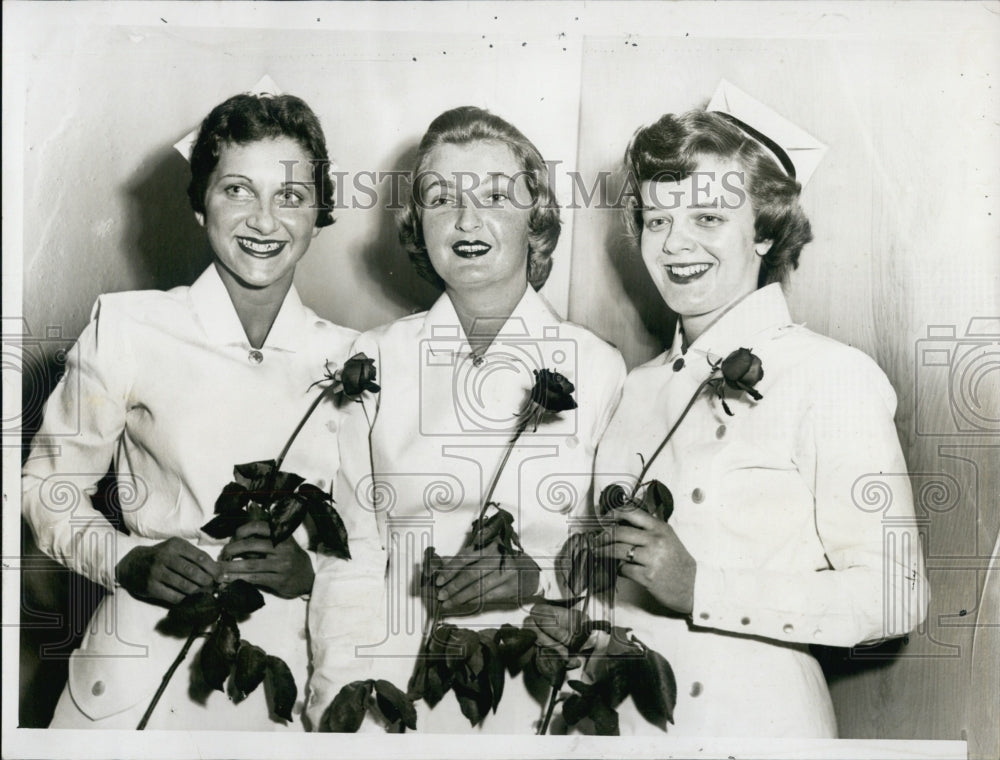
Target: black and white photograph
508, 379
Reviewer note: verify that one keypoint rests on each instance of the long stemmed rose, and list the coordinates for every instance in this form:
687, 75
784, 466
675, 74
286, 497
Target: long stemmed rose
472, 663
618, 664
261, 491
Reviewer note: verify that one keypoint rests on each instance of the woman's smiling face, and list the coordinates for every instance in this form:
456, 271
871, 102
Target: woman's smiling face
260, 211
697, 241
476, 206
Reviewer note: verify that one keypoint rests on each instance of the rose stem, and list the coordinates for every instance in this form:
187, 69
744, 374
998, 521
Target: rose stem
503, 463
167, 676
298, 428
553, 698
645, 467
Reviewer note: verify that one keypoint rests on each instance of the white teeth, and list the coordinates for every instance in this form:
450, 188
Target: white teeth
472, 248
260, 247
689, 270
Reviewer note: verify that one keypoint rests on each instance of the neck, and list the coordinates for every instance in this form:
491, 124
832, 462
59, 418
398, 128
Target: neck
257, 308
694, 326
483, 313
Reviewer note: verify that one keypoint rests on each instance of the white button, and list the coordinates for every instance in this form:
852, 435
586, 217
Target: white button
478, 360
720, 431
697, 496
704, 616
745, 621
255, 356
789, 628
696, 688
97, 689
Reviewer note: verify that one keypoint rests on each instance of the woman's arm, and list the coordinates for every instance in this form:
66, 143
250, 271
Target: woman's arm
875, 586
348, 608
61, 473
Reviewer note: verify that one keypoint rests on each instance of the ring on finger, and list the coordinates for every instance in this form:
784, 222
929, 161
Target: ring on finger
630, 557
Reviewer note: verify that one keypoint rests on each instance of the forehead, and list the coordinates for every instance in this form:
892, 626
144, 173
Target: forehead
480, 158
280, 157
713, 180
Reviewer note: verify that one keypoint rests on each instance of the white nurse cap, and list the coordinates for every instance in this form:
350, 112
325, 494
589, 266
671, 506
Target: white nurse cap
265, 86
798, 152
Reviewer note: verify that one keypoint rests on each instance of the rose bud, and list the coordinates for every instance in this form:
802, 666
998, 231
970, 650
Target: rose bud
358, 375
742, 370
552, 391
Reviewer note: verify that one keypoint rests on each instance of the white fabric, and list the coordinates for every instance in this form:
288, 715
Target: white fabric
163, 385
768, 501
440, 431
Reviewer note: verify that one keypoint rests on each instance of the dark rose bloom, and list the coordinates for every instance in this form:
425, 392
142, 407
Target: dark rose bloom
614, 496
358, 375
552, 391
742, 370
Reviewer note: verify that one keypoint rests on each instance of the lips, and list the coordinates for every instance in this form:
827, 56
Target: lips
681, 274
471, 249
262, 249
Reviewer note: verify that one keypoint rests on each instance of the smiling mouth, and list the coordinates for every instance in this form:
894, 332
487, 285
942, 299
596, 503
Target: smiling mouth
684, 273
471, 250
262, 249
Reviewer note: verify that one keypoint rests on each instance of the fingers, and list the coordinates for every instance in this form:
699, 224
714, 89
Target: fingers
485, 583
190, 555
157, 590
253, 545
622, 534
252, 528
636, 517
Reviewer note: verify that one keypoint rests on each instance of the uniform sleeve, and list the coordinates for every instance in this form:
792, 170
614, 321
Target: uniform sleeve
874, 587
347, 609
600, 391
61, 473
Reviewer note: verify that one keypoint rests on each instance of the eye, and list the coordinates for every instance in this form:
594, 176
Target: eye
291, 199
710, 220
656, 223
437, 202
238, 192
497, 198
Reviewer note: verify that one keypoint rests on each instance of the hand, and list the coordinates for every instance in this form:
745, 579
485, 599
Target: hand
555, 627
471, 581
167, 572
285, 570
658, 561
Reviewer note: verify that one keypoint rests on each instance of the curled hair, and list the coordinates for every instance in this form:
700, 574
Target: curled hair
672, 148
244, 119
463, 126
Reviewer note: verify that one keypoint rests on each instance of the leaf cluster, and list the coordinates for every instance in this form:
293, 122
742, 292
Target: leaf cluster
286, 499
381, 698
620, 666
472, 664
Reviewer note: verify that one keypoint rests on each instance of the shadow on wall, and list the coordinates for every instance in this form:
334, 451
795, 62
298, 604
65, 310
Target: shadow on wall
384, 260
164, 244
623, 252
163, 247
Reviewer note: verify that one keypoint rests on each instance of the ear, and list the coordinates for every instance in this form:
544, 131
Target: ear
200, 217
762, 248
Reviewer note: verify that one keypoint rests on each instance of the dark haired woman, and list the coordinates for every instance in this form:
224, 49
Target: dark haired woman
174, 389
770, 547
482, 222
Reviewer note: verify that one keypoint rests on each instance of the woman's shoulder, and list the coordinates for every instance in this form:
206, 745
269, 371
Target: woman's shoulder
142, 305
588, 345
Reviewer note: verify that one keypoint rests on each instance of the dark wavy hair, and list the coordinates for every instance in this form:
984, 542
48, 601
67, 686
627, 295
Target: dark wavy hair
462, 126
671, 148
245, 119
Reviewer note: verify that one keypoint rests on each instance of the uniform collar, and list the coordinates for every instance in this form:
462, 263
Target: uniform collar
759, 313
222, 326
529, 319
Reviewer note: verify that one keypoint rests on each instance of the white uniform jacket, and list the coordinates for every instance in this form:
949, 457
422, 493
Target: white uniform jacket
773, 503
442, 423
166, 386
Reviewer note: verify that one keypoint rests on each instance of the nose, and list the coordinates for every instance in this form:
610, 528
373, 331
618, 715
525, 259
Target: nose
678, 239
262, 219
468, 217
